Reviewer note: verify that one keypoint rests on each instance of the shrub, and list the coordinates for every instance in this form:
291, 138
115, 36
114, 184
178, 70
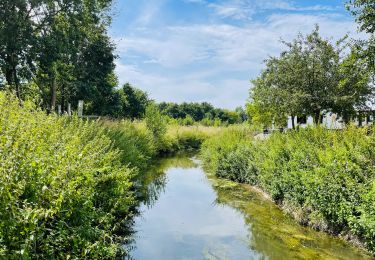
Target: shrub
329, 175
134, 141
156, 124
63, 190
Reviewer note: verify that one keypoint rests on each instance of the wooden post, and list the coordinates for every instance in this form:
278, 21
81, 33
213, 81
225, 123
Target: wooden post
59, 110
80, 108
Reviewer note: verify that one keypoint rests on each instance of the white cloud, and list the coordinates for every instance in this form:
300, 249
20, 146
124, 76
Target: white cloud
214, 61
245, 9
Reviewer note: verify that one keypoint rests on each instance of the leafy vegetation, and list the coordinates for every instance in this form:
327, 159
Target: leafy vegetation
64, 191
66, 184
364, 11
312, 77
324, 178
202, 113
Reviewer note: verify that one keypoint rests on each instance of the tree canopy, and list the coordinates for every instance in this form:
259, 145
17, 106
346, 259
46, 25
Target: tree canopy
58, 51
311, 77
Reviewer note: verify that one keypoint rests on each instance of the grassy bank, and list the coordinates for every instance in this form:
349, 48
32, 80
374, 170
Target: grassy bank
63, 189
324, 178
68, 186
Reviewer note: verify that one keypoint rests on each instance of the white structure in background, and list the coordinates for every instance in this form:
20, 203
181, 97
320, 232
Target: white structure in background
329, 120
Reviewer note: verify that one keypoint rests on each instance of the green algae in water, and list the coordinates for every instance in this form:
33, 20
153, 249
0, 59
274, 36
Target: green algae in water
193, 216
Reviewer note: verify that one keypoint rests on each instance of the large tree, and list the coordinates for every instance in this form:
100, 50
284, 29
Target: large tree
62, 46
311, 78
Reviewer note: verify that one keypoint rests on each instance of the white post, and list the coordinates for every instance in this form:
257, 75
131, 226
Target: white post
69, 109
59, 110
80, 108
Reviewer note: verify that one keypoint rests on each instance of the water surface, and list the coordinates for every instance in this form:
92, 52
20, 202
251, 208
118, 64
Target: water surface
188, 215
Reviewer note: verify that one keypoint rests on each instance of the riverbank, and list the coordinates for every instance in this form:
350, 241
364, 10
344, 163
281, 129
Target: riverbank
324, 179
68, 186
189, 213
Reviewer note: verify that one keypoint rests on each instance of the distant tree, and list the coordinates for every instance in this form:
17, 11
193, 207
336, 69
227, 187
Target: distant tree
199, 112
133, 102
242, 116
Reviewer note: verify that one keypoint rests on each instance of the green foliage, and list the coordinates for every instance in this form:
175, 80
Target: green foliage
133, 102
327, 175
202, 113
63, 191
134, 141
156, 124
312, 77
364, 11
184, 138
63, 47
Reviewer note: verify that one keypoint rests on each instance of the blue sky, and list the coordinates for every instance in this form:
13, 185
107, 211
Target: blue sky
201, 50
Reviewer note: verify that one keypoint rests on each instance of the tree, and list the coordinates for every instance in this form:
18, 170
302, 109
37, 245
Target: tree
17, 41
364, 11
62, 46
310, 78
133, 102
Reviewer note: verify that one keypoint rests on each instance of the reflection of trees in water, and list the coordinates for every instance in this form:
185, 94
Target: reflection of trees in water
273, 234
150, 185
154, 189
153, 182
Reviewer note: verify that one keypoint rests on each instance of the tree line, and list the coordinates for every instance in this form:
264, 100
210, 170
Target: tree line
58, 52
314, 76
204, 112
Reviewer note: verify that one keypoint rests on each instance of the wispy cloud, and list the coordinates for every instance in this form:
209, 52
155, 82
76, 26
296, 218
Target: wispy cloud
245, 9
213, 61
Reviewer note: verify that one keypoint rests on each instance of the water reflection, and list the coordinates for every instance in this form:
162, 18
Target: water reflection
189, 216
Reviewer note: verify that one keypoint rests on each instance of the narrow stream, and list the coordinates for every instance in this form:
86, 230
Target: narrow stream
189, 215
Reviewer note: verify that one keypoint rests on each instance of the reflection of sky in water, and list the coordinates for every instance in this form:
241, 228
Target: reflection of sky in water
186, 223
191, 217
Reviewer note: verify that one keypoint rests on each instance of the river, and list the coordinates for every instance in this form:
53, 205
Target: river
191, 215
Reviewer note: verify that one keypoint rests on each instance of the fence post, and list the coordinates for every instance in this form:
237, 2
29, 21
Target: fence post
80, 108
69, 109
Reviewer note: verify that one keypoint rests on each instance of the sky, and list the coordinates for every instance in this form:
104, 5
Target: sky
202, 50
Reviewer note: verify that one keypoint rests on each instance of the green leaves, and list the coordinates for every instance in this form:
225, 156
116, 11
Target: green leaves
62, 187
312, 77
328, 175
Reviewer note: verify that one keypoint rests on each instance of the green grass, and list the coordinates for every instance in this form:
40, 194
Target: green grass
324, 178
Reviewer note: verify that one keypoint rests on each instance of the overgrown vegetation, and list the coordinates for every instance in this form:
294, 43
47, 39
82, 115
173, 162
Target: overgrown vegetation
63, 190
324, 178
66, 184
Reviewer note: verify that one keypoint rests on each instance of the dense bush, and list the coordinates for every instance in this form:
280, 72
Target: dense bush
63, 191
324, 178
134, 140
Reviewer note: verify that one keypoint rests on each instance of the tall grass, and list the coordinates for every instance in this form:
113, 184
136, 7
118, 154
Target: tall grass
63, 190
323, 178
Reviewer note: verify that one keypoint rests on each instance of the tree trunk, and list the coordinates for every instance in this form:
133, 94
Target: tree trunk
16, 82
53, 95
360, 121
317, 117
62, 98
293, 124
